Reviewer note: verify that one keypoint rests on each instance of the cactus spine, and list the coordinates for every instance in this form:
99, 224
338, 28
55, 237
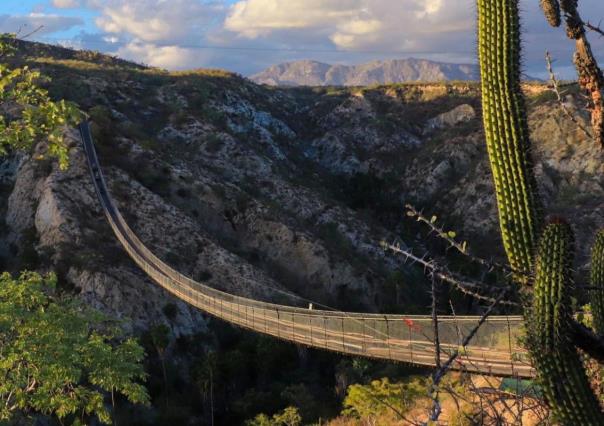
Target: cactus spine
506, 131
597, 281
561, 371
558, 365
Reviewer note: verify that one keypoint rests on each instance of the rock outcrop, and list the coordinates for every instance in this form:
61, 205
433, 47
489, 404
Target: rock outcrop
270, 192
312, 73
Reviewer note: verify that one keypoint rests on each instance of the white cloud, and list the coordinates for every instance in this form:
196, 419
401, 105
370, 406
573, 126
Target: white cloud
253, 18
163, 32
350, 24
170, 57
156, 20
156, 32
347, 33
26, 23
66, 4
110, 39
430, 7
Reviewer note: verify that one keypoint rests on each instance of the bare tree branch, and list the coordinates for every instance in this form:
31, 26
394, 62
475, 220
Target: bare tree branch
556, 89
590, 75
453, 243
442, 371
595, 28
467, 287
434, 391
31, 33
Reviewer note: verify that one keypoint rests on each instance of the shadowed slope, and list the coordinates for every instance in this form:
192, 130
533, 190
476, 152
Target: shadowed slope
393, 337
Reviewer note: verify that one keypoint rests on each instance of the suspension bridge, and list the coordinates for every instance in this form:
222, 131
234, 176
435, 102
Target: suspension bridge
494, 350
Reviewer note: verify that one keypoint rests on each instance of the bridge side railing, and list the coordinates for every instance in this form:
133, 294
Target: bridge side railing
394, 337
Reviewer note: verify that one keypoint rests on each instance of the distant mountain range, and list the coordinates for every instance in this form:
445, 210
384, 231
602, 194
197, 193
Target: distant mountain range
313, 73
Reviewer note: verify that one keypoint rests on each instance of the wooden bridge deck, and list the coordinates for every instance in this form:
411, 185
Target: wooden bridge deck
405, 338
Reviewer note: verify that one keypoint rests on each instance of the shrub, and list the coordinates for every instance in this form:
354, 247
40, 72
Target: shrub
59, 358
375, 399
288, 417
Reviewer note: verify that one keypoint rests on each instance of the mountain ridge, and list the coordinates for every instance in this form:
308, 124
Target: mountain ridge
315, 73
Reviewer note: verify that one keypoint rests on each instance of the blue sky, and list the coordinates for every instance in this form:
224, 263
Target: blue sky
27, 7
248, 35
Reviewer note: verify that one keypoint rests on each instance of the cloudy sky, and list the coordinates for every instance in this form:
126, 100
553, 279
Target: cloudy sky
248, 35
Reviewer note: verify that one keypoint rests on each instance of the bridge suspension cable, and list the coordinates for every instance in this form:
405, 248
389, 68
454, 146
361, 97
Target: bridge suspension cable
404, 338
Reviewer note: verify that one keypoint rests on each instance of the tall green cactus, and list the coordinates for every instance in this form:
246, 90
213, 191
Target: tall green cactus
556, 359
561, 372
597, 282
506, 131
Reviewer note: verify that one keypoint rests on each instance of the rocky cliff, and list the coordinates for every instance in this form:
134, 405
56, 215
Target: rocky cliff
313, 73
266, 192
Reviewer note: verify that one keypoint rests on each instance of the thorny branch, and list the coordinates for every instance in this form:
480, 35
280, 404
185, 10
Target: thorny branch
464, 248
440, 373
556, 89
29, 34
436, 271
434, 391
590, 75
453, 243
583, 337
515, 404
435, 322
467, 287
594, 28
435, 229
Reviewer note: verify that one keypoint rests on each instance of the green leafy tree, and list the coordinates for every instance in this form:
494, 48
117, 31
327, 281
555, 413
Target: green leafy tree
290, 416
260, 420
381, 397
27, 114
58, 358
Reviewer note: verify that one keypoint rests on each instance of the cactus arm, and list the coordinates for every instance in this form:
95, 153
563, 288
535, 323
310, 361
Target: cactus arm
560, 370
549, 321
597, 282
506, 131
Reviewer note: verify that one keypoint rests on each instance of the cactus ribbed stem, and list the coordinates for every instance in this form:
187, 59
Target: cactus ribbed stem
597, 281
559, 367
506, 130
560, 370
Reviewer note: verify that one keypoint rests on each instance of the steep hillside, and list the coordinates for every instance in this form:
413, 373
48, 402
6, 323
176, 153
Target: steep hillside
262, 191
210, 171
312, 73
268, 192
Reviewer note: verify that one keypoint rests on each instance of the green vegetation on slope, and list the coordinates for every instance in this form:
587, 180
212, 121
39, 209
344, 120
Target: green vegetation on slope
57, 358
60, 359
34, 116
238, 394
